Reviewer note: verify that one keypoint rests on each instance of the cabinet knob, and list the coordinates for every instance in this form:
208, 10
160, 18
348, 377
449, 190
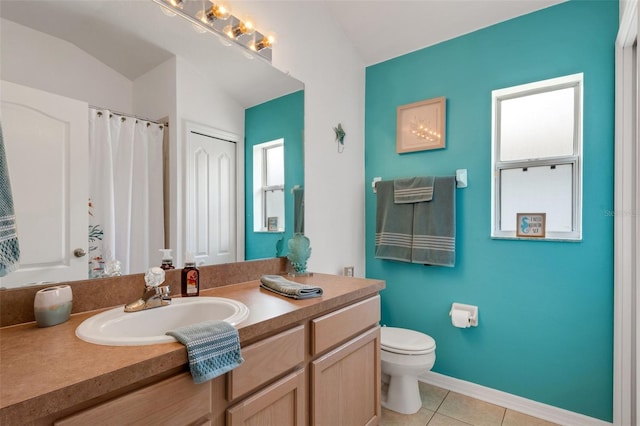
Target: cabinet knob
79, 252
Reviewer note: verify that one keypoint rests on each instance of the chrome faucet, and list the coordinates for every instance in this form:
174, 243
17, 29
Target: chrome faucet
155, 295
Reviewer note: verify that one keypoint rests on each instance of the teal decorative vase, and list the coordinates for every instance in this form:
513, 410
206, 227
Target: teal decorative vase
299, 253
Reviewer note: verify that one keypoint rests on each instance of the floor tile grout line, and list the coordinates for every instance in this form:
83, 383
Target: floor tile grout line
504, 415
442, 402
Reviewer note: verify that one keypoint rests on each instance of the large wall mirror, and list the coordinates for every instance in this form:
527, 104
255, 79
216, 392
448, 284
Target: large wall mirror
129, 57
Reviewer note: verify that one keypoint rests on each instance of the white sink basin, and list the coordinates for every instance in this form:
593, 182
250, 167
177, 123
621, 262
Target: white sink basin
118, 328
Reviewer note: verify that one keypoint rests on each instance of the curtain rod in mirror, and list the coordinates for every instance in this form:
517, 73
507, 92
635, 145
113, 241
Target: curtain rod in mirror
123, 114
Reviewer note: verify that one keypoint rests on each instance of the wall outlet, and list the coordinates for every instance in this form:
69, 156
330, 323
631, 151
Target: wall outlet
348, 271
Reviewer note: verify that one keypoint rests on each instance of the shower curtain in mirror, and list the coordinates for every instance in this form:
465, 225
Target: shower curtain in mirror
126, 220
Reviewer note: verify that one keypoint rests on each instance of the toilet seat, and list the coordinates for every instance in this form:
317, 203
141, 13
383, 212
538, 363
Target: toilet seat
405, 342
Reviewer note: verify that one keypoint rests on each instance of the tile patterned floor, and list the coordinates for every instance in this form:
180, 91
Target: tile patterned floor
441, 407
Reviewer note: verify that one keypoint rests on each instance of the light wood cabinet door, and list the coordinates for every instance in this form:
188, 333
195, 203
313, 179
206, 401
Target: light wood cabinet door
267, 360
345, 383
174, 401
282, 404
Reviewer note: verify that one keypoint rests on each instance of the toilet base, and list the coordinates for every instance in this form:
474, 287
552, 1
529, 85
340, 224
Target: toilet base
403, 395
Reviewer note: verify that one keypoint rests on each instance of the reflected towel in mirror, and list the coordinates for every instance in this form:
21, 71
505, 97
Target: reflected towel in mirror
9, 247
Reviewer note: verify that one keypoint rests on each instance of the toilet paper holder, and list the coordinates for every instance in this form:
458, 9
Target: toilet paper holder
473, 312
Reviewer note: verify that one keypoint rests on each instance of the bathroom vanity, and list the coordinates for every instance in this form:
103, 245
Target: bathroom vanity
314, 361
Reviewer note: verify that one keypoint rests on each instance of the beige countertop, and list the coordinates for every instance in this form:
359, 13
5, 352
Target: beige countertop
46, 370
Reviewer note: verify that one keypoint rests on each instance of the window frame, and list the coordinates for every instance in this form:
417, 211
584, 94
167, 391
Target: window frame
261, 189
575, 81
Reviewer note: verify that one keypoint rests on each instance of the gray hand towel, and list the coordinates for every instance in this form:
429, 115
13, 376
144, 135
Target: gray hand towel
413, 190
434, 226
287, 288
394, 225
213, 348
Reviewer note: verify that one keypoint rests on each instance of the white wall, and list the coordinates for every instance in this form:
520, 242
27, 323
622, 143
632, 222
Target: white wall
334, 79
200, 100
25, 54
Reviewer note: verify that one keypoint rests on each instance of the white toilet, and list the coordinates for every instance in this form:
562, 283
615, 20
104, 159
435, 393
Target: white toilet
405, 354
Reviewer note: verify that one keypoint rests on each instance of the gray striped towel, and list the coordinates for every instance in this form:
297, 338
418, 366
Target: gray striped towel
287, 288
413, 190
434, 226
422, 232
9, 247
213, 348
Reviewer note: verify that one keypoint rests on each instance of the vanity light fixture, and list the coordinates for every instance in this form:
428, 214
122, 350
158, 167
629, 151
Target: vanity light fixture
215, 17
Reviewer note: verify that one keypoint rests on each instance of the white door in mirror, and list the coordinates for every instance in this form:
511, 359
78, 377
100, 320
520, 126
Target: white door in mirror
47, 133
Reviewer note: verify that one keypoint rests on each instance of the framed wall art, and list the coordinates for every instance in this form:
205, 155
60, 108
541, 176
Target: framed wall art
532, 225
272, 223
421, 125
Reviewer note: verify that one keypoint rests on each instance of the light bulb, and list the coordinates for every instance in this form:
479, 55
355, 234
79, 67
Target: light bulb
219, 11
247, 27
266, 42
177, 3
243, 28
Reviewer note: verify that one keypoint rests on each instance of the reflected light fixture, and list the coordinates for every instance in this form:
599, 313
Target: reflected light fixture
215, 17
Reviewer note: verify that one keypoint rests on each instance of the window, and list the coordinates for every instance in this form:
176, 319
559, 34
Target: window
537, 156
268, 186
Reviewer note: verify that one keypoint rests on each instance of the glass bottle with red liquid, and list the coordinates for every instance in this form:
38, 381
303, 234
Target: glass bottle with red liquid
190, 277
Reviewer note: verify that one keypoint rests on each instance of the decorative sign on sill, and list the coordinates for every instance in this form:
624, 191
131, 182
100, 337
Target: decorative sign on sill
531, 225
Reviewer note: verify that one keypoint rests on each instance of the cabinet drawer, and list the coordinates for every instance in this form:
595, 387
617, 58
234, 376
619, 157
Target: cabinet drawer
175, 401
266, 360
281, 403
334, 328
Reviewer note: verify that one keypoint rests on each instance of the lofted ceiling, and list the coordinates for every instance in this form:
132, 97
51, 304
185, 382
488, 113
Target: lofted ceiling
127, 37
381, 30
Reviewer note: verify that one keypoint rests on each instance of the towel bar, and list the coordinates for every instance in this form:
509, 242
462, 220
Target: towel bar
461, 179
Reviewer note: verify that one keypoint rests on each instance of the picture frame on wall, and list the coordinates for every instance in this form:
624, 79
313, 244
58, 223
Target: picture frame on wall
531, 225
421, 126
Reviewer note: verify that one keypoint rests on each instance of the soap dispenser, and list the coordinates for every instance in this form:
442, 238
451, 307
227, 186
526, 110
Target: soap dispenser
167, 260
190, 277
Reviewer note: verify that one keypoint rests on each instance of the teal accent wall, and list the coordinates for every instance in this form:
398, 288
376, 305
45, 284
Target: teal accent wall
279, 118
545, 308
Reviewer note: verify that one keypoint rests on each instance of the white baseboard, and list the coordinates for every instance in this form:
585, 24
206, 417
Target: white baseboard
513, 402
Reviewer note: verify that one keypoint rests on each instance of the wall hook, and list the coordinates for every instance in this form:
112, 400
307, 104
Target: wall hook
340, 134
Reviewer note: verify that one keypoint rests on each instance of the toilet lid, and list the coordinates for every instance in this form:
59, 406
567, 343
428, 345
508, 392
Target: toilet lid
403, 341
